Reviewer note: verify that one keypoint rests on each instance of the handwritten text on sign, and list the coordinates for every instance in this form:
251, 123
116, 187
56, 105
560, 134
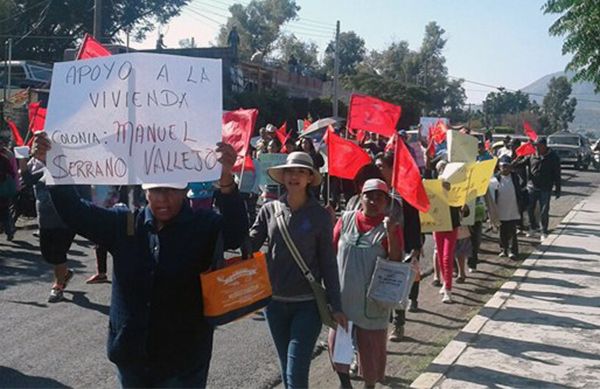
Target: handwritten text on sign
135, 118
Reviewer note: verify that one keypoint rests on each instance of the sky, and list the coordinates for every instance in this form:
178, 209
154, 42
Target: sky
499, 43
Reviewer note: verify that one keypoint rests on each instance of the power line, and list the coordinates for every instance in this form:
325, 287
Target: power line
219, 24
527, 93
309, 23
20, 12
39, 36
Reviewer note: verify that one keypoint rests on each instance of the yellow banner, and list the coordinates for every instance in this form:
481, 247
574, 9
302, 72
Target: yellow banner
461, 147
481, 173
438, 217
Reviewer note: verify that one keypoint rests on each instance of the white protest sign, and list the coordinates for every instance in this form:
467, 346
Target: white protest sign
135, 118
461, 147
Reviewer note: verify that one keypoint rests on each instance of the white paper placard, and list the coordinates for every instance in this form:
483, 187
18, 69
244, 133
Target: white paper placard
135, 118
343, 351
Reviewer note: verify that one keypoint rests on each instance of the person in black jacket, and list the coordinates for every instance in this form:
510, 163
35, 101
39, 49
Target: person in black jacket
157, 333
544, 174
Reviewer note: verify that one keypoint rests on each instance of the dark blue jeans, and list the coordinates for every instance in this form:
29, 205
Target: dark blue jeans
543, 197
295, 328
138, 377
192, 375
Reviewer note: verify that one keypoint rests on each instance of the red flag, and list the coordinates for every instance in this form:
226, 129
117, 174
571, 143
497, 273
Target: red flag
407, 180
248, 165
237, 128
488, 145
371, 114
438, 132
344, 158
37, 117
91, 48
525, 149
282, 136
529, 131
15, 132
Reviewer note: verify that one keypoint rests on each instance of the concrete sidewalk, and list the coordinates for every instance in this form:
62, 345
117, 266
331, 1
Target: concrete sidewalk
542, 328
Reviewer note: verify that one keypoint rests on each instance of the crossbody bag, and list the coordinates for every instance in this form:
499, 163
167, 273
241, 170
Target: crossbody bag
317, 288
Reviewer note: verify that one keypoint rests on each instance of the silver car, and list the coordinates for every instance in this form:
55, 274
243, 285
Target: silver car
572, 148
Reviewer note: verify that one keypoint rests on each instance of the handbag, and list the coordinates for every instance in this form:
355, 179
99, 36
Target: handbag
317, 288
237, 290
8, 187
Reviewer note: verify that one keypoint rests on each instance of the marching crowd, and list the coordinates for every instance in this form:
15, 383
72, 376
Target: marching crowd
161, 236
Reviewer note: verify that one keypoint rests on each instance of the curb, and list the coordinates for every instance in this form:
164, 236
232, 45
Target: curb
450, 354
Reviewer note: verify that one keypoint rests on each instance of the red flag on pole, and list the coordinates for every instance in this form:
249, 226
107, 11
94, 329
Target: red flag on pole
37, 117
15, 132
344, 158
371, 114
237, 128
529, 131
525, 149
282, 136
91, 48
407, 180
438, 132
307, 124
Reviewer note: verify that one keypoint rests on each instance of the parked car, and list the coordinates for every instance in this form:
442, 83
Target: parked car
26, 74
572, 148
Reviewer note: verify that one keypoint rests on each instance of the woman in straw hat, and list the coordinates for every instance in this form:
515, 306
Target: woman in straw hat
293, 314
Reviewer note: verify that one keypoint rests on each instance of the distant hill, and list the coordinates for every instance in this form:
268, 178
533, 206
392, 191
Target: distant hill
587, 111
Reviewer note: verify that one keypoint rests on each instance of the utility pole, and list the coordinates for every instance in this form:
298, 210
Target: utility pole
336, 69
98, 32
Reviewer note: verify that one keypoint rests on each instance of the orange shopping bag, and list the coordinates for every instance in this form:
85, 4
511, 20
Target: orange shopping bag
236, 290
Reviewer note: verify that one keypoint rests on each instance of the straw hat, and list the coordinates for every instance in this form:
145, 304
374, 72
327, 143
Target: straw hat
298, 159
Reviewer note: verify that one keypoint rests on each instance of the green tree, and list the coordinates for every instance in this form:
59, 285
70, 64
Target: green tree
352, 52
63, 23
433, 74
497, 104
557, 107
258, 24
305, 53
580, 24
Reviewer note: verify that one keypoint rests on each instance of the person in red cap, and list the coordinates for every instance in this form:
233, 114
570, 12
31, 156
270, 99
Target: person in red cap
361, 237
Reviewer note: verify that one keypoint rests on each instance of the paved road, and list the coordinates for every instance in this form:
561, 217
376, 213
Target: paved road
63, 345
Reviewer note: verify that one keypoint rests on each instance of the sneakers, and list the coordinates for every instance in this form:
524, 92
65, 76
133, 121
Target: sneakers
413, 306
56, 294
460, 280
436, 282
529, 234
502, 253
442, 290
397, 334
543, 237
99, 278
512, 256
447, 299
472, 270
57, 291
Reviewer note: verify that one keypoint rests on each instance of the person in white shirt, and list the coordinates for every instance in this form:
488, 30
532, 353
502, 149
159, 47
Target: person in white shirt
509, 203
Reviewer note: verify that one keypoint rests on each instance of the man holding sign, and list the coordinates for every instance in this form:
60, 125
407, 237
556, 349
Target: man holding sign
154, 120
157, 333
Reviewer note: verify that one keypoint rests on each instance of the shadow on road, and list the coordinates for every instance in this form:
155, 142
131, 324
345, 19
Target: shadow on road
526, 316
11, 378
80, 299
489, 378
